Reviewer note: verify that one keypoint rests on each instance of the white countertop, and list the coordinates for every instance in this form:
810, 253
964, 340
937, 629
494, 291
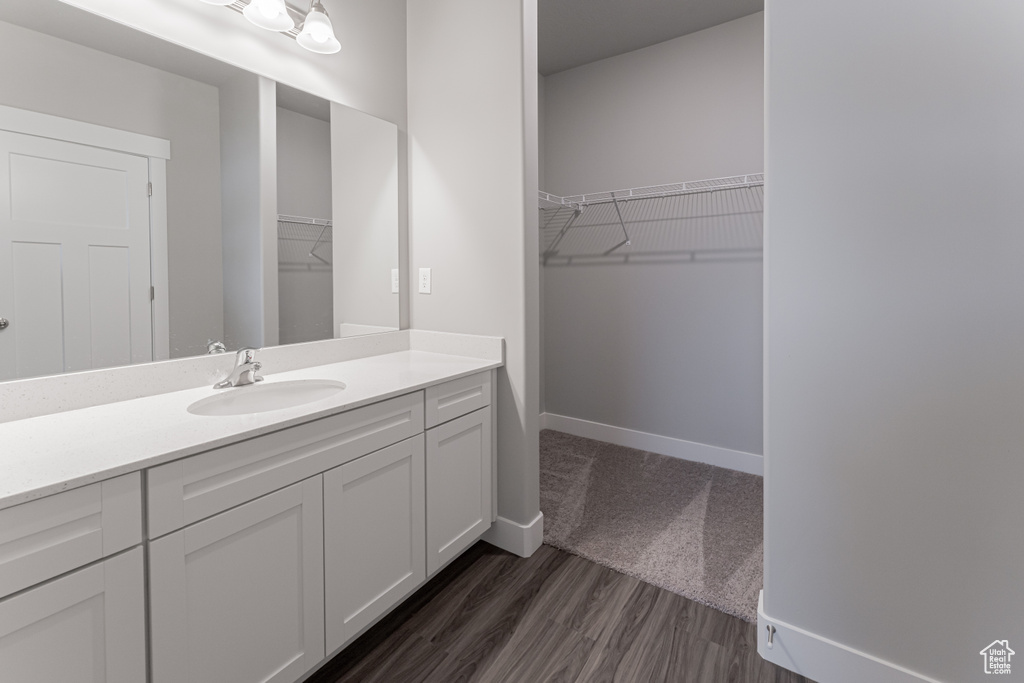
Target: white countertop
44, 455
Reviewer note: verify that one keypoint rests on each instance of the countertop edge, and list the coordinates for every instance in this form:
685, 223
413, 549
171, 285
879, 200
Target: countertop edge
26, 495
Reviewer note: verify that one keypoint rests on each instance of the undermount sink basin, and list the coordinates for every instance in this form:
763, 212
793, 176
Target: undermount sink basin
262, 398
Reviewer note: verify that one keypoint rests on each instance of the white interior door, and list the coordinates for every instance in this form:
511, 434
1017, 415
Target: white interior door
74, 257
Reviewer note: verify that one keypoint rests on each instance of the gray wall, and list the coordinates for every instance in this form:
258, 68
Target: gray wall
305, 292
473, 216
895, 328
303, 165
44, 74
671, 348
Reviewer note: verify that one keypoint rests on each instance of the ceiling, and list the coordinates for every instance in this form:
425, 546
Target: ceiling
577, 32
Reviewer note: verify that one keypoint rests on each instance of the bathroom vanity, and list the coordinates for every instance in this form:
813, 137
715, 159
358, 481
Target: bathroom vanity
243, 547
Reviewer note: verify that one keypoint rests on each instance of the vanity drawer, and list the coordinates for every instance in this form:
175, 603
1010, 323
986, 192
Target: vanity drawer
50, 536
459, 397
200, 486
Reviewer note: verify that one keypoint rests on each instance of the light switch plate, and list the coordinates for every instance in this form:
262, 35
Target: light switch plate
394, 280
424, 280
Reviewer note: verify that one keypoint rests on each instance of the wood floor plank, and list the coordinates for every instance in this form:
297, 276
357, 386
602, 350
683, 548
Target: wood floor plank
604, 662
413, 660
657, 645
718, 627
464, 594
544, 652
492, 616
588, 597
475, 606
482, 638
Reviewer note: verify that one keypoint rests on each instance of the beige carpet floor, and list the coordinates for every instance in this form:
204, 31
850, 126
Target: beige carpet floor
691, 528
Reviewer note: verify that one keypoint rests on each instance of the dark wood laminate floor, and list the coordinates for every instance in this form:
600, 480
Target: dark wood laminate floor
492, 616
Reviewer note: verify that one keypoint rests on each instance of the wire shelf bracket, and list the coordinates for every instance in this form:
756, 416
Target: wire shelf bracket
294, 233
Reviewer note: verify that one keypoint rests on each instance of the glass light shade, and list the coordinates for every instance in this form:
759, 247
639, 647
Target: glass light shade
318, 33
269, 14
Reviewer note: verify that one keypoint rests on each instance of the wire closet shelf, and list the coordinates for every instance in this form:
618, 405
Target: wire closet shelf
305, 242
716, 218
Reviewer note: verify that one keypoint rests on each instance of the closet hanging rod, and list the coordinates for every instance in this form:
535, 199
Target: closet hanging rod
674, 189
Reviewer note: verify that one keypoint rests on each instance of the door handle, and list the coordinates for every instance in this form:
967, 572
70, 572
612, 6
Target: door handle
4, 323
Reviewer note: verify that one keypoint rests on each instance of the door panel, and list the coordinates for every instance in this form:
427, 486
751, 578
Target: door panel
85, 627
74, 220
458, 486
110, 306
374, 543
91, 196
38, 340
239, 597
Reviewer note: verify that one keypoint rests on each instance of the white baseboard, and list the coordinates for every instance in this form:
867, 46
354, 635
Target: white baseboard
824, 660
519, 539
665, 445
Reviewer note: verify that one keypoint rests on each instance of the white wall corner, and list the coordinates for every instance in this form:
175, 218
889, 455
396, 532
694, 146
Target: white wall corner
520, 539
751, 463
821, 659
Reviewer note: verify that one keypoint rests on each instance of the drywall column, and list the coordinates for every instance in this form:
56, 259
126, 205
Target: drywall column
248, 110
364, 163
895, 338
473, 217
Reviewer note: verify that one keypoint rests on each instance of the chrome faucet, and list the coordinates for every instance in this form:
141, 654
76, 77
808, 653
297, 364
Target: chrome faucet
244, 372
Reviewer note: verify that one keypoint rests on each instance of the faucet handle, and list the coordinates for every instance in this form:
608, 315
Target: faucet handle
245, 355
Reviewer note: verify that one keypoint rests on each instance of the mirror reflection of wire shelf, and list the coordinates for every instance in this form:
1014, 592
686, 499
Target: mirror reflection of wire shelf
304, 242
718, 218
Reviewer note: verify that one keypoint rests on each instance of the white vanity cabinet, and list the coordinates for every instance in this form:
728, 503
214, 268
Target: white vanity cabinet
238, 598
88, 624
263, 556
374, 534
460, 463
458, 486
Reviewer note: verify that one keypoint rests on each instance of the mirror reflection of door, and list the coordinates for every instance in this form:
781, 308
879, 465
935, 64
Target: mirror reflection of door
74, 257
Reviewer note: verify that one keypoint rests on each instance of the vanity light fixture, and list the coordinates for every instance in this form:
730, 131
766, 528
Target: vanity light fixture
317, 32
269, 14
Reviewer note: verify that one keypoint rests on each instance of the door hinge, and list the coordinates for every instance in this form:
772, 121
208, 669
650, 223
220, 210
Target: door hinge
152, 293
149, 189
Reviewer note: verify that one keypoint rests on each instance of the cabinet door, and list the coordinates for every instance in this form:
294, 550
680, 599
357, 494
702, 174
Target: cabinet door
87, 626
458, 486
239, 597
374, 536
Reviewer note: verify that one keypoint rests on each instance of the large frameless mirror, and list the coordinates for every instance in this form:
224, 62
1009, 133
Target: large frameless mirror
156, 203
